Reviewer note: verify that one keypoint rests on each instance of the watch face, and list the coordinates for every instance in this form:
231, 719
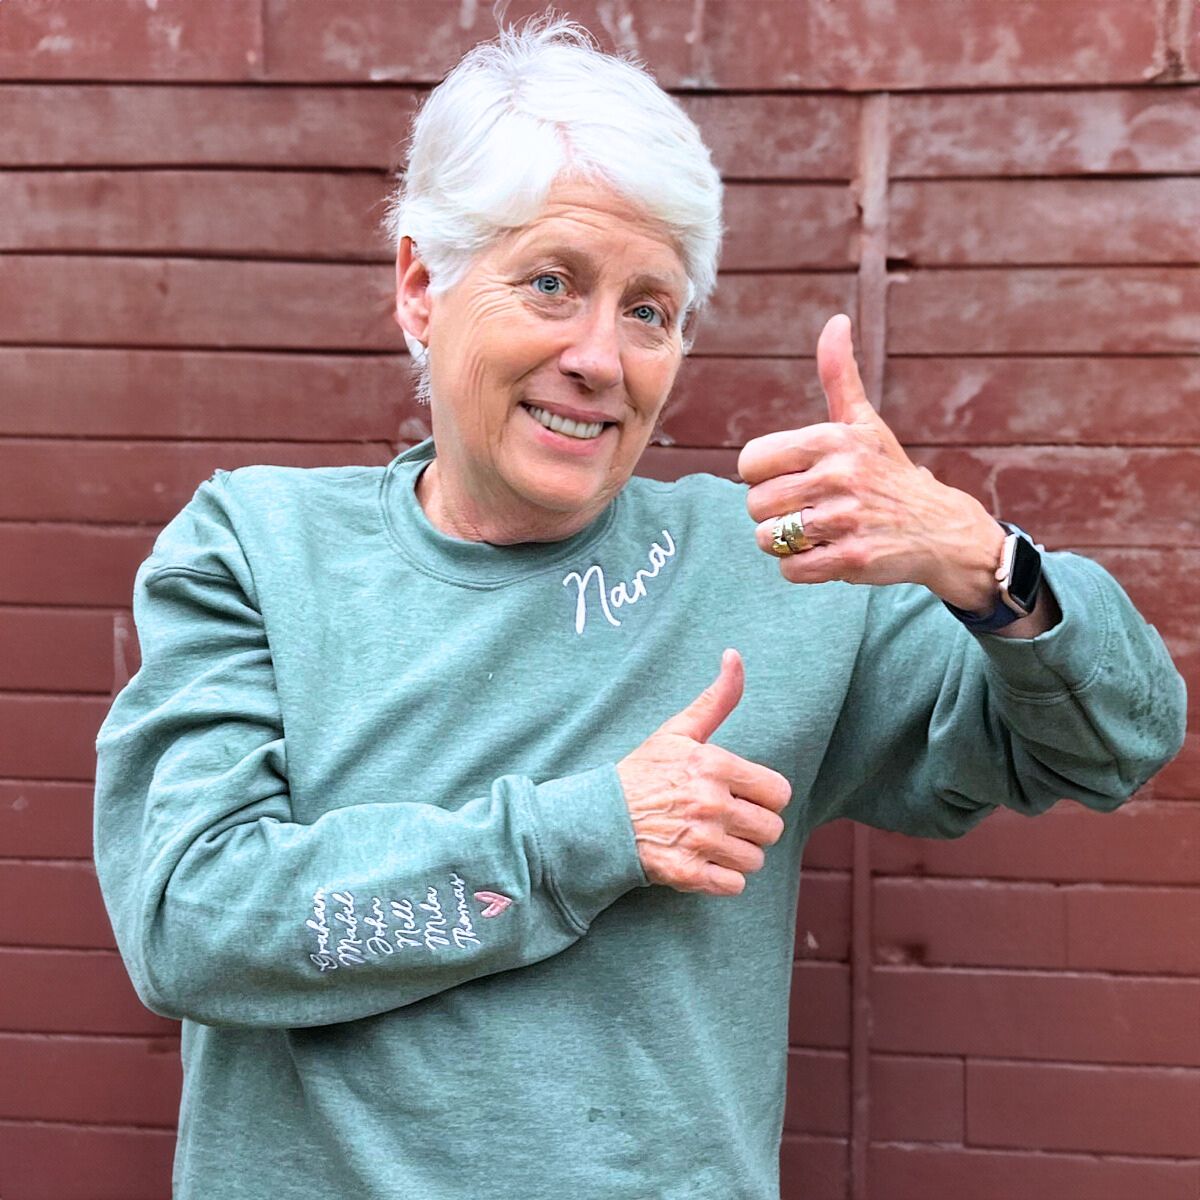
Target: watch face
1026, 575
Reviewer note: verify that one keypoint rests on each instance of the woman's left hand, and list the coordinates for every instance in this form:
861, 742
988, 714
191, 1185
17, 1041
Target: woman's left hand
872, 514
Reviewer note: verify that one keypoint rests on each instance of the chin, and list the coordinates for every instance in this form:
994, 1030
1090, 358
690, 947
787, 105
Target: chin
566, 492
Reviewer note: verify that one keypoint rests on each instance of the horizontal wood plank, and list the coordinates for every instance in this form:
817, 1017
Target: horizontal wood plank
1045, 222
180, 125
1106, 1110
55, 651
762, 137
320, 215
1147, 131
1141, 842
52, 904
818, 1096
233, 214
1035, 1015
102, 392
92, 1080
129, 39
65, 1162
40, 819
73, 991
1076, 495
1117, 310
193, 302
70, 564
1153, 930
1066, 401
127, 482
724, 401
862, 45
917, 1172
718, 401
49, 737
68, 300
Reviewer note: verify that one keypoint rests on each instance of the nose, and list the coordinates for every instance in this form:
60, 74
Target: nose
593, 357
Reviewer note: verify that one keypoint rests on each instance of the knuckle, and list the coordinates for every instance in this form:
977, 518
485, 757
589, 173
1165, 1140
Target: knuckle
842, 437
698, 760
837, 475
855, 557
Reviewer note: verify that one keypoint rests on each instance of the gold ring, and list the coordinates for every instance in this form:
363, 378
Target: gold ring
779, 546
788, 536
791, 530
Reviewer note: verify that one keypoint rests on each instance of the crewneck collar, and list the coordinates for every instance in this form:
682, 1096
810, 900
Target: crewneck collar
456, 560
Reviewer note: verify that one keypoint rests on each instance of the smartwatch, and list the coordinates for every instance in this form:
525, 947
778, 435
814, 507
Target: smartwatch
1020, 578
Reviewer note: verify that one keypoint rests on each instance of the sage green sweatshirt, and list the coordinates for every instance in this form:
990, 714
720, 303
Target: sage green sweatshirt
358, 824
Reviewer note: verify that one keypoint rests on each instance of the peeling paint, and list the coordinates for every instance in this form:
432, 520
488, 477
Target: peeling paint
54, 43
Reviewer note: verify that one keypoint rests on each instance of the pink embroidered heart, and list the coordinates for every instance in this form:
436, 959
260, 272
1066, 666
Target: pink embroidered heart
495, 902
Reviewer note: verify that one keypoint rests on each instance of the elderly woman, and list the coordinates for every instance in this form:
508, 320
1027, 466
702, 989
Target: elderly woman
415, 813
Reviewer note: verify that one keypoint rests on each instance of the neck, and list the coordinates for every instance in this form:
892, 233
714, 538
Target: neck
457, 513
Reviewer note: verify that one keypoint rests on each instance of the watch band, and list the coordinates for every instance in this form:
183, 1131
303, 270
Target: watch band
1003, 613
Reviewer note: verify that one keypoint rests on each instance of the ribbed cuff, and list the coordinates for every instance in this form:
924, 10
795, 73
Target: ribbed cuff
589, 853
1066, 658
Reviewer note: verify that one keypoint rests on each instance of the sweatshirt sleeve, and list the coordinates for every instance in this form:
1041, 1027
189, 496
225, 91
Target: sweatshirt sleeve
228, 911
942, 726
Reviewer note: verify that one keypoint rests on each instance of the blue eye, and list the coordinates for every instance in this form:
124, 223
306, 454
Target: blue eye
649, 314
555, 287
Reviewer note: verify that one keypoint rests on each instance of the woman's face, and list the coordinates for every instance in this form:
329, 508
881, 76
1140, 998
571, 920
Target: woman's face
571, 321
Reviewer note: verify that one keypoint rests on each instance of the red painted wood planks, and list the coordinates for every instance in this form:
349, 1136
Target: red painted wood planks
129, 39
207, 395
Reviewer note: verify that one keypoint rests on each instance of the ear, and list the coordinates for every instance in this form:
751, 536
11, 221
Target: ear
412, 292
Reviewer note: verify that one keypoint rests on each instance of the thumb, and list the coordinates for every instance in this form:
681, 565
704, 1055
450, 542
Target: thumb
848, 403
702, 718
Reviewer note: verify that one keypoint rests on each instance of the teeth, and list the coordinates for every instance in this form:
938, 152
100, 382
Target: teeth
575, 429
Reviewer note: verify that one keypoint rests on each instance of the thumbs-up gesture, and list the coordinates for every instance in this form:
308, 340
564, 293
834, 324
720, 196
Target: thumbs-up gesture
871, 514
700, 813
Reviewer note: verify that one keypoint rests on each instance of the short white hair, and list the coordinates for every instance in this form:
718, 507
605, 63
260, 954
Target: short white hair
514, 114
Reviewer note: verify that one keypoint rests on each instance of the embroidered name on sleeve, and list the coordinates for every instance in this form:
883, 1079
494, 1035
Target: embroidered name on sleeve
353, 932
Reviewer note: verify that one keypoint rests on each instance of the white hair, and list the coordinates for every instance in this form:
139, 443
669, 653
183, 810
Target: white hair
515, 113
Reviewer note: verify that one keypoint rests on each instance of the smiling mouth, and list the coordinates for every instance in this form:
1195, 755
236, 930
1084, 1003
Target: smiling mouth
583, 430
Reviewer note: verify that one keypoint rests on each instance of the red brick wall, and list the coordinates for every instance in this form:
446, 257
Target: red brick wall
1006, 195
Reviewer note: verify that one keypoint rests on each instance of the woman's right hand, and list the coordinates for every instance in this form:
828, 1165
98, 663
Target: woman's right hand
702, 814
